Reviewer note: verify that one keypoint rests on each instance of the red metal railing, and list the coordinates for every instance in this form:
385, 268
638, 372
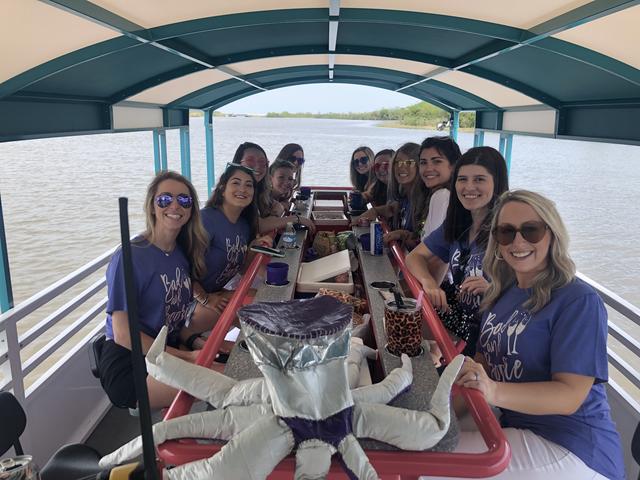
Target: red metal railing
389, 464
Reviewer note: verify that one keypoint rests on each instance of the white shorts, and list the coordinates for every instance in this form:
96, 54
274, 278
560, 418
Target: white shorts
532, 458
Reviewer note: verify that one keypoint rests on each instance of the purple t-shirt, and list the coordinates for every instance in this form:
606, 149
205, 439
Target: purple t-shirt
568, 335
464, 261
227, 247
163, 288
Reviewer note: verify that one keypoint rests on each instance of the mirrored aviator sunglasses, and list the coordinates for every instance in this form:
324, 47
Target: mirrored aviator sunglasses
164, 200
361, 160
532, 232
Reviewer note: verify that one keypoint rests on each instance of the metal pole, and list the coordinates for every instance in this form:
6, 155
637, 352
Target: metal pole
208, 136
185, 152
455, 124
6, 293
506, 145
163, 149
156, 152
478, 138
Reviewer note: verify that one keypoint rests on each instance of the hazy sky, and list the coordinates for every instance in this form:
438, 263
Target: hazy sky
320, 98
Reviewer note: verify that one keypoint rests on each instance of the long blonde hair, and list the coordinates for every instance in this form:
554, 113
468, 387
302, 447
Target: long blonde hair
192, 238
560, 269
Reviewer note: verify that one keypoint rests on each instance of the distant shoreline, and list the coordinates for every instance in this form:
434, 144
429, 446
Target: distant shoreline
421, 115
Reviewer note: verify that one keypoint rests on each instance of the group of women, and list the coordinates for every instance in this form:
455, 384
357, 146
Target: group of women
186, 256
495, 265
493, 262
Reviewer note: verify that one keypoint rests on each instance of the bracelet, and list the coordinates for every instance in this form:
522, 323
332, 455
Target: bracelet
190, 341
200, 300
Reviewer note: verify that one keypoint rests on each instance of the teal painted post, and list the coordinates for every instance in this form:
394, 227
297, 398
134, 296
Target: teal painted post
506, 144
208, 136
163, 149
6, 293
156, 152
455, 124
185, 152
478, 138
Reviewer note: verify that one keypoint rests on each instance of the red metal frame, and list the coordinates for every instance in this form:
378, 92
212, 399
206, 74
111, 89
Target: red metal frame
389, 464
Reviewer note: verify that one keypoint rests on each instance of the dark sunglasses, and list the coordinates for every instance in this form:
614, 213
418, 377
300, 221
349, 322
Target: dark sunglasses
361, 160
164, 200
532, 232
298, 160
239, 166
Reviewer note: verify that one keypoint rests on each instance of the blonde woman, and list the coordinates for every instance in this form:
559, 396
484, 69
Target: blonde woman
166, 257
542, 350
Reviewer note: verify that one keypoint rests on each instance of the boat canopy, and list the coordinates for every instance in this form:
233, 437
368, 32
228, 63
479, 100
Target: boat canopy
559, 68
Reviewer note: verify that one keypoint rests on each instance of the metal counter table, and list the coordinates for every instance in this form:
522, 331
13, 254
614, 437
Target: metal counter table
425, 377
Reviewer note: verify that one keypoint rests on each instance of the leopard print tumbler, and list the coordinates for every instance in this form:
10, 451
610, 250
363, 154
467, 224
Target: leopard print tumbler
403, 327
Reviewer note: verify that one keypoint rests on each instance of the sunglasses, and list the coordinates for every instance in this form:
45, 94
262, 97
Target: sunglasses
404, 163
381, 165
165, 199
360, 160
238, 166
532, 232
298, 160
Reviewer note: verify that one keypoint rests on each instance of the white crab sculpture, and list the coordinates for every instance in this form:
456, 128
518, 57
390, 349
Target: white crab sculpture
303, 402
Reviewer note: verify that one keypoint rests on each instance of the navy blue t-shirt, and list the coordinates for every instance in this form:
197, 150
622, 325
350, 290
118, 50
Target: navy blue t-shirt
465, 260
163, 288
227, 247
568, 335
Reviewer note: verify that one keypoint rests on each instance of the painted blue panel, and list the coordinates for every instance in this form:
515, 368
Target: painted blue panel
30, 118
559, 76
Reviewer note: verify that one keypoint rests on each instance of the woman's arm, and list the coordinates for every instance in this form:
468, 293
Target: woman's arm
121, 336
563, 395
269, 224
429, 270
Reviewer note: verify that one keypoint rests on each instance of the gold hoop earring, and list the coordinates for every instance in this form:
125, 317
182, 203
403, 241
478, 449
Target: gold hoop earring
496, 254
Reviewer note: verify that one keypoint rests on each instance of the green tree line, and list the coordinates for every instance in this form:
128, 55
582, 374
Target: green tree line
421, 114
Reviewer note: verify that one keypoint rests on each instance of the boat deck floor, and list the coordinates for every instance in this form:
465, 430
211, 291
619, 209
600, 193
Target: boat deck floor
118, 426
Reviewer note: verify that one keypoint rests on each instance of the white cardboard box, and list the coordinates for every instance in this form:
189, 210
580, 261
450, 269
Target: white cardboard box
312, 275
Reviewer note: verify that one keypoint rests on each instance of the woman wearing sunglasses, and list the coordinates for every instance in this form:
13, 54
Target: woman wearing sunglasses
361, 161
376, 194
292, 152
438, 157
165, 258
402, 177
458, 245
230, 218
253, 156
542, 350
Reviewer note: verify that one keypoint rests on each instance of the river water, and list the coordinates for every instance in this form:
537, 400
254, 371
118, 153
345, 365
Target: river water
59, 195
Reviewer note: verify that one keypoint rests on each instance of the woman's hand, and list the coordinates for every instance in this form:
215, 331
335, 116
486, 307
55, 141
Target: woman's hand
435, 353
474, 285
436, 296
262, 241
473, 375
217, 301
309, 224
395, 236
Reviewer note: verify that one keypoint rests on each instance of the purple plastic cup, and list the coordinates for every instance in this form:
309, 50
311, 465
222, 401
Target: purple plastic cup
277, 273
365, 241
